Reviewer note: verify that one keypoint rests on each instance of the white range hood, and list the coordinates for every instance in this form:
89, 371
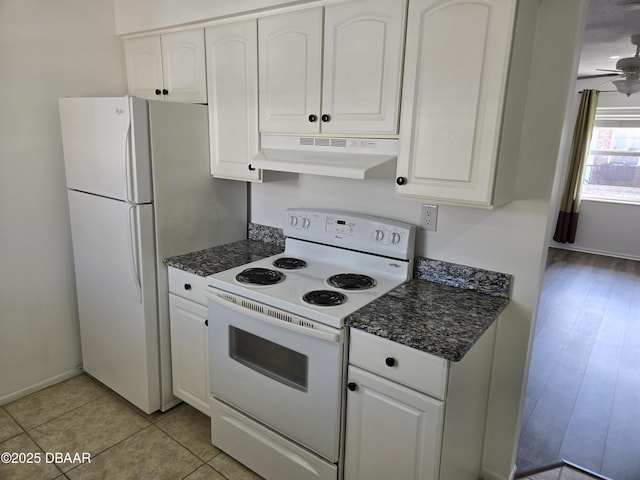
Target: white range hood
358, 158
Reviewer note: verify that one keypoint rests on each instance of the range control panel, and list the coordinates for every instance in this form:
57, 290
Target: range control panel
355, 231
341, 225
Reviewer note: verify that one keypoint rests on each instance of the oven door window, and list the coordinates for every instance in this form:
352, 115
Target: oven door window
268, 358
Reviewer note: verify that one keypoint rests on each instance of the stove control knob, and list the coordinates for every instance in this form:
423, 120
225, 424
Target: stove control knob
395, 238
379, 235
293, 220
306, 223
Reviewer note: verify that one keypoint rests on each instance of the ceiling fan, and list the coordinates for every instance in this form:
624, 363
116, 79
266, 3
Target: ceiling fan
627, 80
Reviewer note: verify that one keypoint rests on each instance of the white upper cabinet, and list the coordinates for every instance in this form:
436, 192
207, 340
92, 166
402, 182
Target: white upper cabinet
456, 66
183, 66
362, 71
290, 66
232, 77
167, 67
144, 67
340, 74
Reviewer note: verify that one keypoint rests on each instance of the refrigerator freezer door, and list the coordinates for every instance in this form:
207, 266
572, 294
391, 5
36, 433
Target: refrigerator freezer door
114, 255
106, 147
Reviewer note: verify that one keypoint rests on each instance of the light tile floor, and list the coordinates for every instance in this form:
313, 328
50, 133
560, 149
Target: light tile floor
82, 416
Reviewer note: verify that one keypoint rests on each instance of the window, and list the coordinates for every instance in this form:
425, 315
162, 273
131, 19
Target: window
612, 171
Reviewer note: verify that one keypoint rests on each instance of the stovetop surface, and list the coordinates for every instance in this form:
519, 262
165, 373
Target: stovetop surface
322, 262
329, 243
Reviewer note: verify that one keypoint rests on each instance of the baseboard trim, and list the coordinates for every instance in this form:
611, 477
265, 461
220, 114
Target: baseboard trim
23, 392
533, 471
564, 246
563, 463
513, 473
582, 469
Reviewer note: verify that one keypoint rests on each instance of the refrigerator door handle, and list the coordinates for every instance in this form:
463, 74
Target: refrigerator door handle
133, 244
127, 164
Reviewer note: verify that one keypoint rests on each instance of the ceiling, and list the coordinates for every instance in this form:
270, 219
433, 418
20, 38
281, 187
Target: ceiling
610, 24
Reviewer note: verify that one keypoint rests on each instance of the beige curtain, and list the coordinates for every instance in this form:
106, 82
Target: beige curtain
570, 204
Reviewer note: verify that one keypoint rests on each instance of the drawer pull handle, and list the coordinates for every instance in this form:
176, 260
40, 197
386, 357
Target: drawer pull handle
390, 361
187, 286
352, 386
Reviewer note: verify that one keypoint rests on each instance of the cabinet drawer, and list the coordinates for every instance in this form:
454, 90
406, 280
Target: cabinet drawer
187, 285
419, 370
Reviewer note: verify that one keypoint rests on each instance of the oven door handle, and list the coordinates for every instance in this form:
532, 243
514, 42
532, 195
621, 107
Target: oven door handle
328, 336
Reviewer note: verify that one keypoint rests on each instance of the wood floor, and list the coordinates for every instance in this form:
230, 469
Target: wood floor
583, 395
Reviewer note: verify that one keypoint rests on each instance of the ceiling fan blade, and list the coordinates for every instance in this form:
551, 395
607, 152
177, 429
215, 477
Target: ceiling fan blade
607, 81
611, 76
607, 70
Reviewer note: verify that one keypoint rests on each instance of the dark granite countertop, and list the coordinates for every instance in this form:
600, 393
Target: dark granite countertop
443, 311
439, 319
216, 259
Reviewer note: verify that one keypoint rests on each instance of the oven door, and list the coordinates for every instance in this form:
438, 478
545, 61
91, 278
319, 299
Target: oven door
281, 369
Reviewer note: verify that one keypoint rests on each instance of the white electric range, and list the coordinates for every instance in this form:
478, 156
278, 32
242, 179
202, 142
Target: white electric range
277, 344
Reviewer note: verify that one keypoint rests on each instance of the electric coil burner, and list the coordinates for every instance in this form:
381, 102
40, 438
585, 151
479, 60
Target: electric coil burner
289, 263
277, 343
260, 276
351, 281
324, 298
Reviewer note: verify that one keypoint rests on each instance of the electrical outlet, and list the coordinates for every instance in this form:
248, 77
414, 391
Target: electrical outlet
430, 217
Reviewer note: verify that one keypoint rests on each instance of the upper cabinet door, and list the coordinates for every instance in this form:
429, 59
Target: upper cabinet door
232, 76
183, 63
290, 47
144, 66
167, 67
363, 53
453, 98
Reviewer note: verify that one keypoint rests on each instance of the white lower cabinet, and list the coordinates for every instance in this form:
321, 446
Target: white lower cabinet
412, 415
189, 339
392, 431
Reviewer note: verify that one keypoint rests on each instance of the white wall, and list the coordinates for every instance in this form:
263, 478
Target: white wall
607, 229
603, 227
512, 239
47, 49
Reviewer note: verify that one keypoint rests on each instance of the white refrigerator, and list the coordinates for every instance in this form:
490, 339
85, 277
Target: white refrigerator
139, 191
